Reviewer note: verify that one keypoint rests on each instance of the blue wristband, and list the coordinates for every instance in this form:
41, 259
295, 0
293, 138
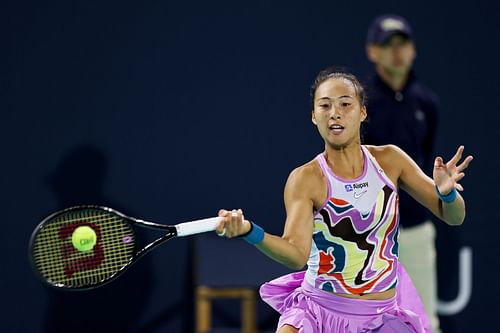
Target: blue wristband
255, 235
450, 197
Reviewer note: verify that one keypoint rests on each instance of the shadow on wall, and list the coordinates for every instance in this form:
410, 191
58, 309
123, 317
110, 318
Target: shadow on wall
117, 306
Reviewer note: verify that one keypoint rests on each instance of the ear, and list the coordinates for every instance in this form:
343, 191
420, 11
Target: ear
313, 118
364, 113
371, 52
414, 50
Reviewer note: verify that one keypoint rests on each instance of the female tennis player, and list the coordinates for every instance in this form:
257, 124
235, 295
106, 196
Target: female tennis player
342, 221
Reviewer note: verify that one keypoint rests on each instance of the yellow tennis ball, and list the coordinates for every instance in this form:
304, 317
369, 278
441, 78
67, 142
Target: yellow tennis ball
84, 238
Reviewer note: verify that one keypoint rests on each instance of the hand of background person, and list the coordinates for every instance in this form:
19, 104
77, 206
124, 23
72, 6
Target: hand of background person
447, 175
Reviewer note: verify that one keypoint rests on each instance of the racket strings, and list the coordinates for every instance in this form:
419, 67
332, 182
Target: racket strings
63, 265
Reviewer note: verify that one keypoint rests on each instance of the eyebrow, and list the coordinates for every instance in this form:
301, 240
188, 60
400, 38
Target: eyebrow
329, 98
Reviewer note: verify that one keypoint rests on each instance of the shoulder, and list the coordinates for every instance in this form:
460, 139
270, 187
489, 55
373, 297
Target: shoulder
384, 152
306, 180
306, 174
390, 157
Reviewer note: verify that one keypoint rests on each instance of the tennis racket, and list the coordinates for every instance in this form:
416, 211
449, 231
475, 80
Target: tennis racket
84, 247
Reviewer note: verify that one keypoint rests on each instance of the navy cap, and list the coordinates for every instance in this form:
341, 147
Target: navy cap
386, 26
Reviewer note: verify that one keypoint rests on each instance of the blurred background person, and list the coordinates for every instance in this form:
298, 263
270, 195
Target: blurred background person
404, 112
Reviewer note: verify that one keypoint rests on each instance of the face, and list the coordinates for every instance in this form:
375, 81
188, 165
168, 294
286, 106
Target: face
395, 56
338, 112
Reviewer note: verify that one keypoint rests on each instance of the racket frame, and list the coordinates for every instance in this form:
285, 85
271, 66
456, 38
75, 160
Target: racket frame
172, 231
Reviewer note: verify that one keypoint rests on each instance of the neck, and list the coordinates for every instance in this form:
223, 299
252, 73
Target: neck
394, 79
345, 162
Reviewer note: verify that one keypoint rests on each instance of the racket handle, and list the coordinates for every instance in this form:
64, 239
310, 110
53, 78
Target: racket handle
197, 227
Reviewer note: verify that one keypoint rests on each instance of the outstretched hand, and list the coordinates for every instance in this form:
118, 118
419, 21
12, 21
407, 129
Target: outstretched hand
447, 175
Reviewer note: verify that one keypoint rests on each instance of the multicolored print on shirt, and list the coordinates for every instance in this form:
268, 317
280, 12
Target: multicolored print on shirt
355, 248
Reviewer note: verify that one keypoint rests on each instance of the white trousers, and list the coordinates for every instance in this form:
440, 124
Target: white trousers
417, 252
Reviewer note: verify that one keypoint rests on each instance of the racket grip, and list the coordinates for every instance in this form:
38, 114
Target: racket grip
197, 227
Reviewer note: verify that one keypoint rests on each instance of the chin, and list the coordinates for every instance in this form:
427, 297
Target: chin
399, 69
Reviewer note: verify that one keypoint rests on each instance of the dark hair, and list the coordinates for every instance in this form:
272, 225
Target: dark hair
338, 72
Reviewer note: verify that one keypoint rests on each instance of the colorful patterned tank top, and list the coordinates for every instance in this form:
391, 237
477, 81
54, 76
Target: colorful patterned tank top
355, 237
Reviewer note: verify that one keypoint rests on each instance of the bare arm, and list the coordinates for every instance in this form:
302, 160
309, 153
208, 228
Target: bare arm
423, 189
293, 248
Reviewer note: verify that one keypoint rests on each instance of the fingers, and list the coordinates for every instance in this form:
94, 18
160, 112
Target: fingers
438, 162
236, 220
457, 179
220, 230
230, 224
444, 171
465, 163
221, 233
458, 155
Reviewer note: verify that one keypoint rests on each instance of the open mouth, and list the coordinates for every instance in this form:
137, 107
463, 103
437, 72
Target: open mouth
336, 128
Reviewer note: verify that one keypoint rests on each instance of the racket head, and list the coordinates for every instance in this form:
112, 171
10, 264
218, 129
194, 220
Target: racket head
60, 264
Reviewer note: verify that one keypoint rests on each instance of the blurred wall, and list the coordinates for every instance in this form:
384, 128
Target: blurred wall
169, 111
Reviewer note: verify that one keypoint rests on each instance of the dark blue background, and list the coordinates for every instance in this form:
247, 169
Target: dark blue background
169, 111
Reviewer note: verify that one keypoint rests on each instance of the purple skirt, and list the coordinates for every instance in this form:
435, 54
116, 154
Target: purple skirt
312, 310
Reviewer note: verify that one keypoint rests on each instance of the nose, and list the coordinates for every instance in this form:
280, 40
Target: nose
335, 114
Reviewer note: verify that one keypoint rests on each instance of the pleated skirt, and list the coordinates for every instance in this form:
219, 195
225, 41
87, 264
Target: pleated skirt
311, 310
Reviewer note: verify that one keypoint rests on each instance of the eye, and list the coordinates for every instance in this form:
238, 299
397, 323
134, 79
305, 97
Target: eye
345, 104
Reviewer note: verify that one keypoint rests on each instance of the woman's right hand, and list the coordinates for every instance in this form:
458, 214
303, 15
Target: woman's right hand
232, 224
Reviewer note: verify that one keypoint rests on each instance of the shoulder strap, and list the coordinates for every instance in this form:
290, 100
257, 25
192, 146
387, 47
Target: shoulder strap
378, 169
320, 159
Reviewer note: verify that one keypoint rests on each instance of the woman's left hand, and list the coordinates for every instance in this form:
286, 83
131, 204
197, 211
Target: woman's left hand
447, 175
